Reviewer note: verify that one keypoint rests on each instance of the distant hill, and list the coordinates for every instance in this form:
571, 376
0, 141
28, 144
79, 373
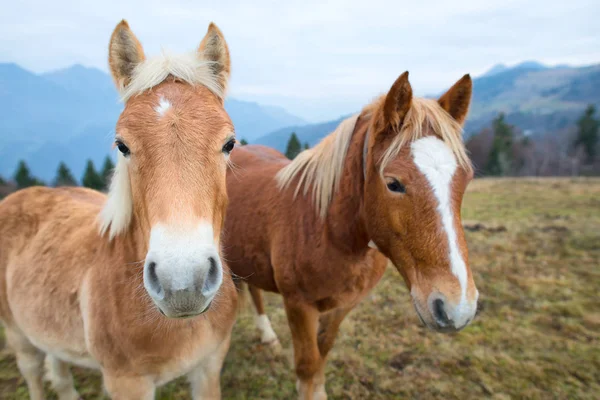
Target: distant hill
533, 96
69, 115
524, 66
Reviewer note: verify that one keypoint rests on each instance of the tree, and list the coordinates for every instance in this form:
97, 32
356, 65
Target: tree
107, 170
587, 133
2, 181
91, 178
306, 146
501, 155
479, 147
64, 177
243, 142
293, 147
23, 177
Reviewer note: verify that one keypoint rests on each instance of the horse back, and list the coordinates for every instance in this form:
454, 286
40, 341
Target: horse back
32, 220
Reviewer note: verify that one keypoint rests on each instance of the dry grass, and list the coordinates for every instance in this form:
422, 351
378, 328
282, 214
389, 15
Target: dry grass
536, 336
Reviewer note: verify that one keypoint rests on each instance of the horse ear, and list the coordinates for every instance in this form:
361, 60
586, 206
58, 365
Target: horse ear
214, 48
398, 101
124, 54
457, 99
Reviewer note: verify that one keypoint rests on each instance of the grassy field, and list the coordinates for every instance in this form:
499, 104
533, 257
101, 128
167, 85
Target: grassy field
535, 252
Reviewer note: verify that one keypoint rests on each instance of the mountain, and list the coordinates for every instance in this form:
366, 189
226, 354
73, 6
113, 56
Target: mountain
524, 66
69, 115
534, 97
252, 120
496, 69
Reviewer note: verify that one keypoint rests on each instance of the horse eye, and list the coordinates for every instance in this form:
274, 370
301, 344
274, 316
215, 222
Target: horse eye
395, 186
229, 146
122, 148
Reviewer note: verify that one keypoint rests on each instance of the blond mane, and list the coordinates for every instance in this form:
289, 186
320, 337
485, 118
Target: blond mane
118, 209
191, 68
320, 168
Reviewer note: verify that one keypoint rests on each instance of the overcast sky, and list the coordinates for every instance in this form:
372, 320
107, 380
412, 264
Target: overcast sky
317, 59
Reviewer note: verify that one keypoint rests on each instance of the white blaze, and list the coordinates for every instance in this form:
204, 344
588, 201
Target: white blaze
436, 161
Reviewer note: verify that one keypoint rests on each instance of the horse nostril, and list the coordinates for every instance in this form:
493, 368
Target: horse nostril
213, 274
440, 313
153, 278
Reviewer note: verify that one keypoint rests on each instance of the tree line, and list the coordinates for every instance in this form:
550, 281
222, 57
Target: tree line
93, 179
504, 150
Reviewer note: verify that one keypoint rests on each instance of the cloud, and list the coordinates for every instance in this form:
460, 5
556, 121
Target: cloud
318, 59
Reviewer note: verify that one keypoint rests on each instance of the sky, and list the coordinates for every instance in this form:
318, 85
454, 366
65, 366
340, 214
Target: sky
317, 59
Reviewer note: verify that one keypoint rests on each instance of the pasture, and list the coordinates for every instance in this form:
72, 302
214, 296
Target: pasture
535, 253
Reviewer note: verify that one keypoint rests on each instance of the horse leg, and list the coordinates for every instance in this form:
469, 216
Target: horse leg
61, 378
267, 335
303, 321
329, 325
123, 387
30, 361
205, 379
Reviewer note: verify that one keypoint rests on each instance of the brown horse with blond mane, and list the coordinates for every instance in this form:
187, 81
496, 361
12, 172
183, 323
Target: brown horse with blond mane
387, 183
131, 284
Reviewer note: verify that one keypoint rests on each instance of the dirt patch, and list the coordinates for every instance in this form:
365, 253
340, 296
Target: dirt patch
479, 227
402, 360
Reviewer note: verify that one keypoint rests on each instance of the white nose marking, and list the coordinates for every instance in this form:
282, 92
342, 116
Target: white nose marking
182, 253
436, 161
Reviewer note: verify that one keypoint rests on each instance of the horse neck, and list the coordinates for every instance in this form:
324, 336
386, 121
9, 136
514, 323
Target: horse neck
345, 221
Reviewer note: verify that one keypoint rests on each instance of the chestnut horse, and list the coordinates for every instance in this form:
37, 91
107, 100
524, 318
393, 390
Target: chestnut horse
387, 183
133, 283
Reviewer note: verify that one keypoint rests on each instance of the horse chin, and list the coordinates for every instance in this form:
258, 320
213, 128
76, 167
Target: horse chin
423, 320
187, 314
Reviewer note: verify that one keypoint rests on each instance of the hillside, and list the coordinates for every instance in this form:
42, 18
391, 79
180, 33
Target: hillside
69, 115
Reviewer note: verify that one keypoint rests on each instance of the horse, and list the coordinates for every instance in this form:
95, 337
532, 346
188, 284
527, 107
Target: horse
387, 184
131, 283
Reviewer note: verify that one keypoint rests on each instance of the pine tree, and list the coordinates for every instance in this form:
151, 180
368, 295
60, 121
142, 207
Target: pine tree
64, 177
107, 170
501, 158
243, 142
587, 133
306, 146
293, 147
23, 177
2, 181
91, 178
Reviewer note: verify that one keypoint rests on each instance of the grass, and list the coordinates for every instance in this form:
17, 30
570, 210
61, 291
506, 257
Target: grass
535, 257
